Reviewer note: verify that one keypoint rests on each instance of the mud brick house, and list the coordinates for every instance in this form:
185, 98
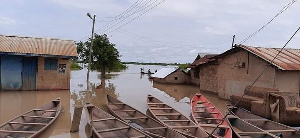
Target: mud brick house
30, 63
195, 68
171, 76
233, 70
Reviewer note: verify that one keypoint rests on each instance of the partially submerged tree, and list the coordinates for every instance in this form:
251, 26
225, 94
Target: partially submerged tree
104, 54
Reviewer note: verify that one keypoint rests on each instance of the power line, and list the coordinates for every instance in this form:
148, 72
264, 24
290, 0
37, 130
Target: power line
255, 81
140, 9
120, 16
145, 39
137, 16
280, 12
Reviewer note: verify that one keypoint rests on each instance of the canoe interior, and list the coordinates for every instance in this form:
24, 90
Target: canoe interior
208, 116
265, 124
244, 129
106, 126
33, 122
243, 113
139, 120
174, 119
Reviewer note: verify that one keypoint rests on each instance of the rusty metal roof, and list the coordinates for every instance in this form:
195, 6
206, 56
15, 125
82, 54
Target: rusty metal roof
288, 59
37, 46
202, 60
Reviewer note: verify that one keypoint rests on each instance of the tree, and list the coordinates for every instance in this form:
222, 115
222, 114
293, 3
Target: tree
104, 54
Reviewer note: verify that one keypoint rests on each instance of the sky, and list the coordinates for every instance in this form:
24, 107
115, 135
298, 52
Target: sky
169, 31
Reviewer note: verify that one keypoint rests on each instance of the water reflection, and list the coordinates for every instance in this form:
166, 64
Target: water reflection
128, 86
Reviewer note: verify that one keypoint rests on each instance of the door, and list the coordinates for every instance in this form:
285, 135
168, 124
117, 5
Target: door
29, 73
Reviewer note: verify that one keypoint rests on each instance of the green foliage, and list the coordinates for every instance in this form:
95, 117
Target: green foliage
75, 66
105, 56
183, 66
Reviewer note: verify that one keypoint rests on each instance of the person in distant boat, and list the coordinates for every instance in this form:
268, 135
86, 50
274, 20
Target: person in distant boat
149, 72
155, 71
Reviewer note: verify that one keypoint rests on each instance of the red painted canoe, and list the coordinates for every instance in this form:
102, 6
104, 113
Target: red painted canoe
206, 115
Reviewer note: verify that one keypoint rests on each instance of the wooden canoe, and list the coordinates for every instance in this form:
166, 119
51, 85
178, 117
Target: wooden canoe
140, 120
104, 125
206, 115
263, 123
243, 129
32, 123
174, 119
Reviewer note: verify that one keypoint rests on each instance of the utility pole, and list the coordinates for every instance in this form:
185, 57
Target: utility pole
91, 48
233, 39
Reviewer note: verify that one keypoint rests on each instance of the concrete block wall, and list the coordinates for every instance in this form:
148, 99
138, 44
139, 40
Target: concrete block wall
208, 78
194, 81
52, 79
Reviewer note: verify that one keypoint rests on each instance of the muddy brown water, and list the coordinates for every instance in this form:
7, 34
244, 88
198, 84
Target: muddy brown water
129, 86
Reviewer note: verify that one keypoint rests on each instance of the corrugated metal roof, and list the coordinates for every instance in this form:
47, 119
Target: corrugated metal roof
288, 59
164, 72
39, 46
202, 60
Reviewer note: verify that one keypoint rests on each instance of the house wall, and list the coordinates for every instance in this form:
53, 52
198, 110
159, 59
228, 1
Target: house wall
52, 79
194, 80
239, 69
208, 78
182, 78
287, 81
11, 76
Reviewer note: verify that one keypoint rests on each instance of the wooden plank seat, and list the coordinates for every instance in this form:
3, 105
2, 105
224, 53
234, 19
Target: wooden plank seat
214, 125
105, 119
154, 128
206, 112
138, 137
126, 110
168, 114
37, 117
247, 133
197, 106
117, 103
287, 130
183, 127
24, 123
14, 131
201, 102
175, 120
134, 118
44, 110
113, 129
207, 118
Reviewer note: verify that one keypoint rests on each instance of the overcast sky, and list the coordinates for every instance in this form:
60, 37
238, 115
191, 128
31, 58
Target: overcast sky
173, 31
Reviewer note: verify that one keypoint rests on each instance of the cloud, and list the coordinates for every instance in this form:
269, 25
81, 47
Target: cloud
6, 21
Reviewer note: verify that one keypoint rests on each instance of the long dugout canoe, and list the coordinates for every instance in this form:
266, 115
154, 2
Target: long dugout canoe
275, 128
32, 123
104, 125
243, 129
206, 115
140, 120
174, 119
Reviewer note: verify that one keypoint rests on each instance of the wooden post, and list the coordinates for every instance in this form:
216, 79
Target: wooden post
76, 119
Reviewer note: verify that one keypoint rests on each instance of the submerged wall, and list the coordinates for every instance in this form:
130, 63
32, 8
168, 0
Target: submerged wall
53, 79
11, 76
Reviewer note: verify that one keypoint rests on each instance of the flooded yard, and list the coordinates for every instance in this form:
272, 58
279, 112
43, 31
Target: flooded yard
128, 86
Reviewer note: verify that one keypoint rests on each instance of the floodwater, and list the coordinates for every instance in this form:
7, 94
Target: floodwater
128, 86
